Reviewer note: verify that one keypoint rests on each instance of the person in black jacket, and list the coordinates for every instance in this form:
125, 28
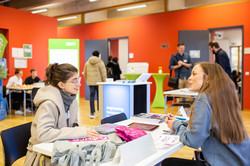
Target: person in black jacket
221, 57
116, 69
109, 67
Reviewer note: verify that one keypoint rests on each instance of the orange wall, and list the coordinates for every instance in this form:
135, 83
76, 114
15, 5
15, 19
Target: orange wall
114, 48
146, 33
27, 28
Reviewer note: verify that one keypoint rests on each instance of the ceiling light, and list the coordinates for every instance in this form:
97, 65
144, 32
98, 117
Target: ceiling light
39, 11
132, 7
3, 1
66, 18
92, 0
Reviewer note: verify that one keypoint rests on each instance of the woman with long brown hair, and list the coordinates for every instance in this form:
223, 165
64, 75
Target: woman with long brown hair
215, 122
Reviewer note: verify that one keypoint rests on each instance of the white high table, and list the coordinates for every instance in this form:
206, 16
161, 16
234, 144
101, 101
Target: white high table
153, 159
185, 92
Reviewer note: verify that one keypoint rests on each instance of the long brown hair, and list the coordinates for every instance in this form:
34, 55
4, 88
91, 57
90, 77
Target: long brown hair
226, 112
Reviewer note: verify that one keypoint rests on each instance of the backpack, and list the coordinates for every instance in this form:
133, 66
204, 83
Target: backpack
110, 72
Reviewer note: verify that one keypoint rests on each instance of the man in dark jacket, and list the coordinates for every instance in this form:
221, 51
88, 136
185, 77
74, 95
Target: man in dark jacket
221, 57
31, 80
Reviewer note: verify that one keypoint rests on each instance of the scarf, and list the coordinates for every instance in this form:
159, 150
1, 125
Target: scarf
67, 101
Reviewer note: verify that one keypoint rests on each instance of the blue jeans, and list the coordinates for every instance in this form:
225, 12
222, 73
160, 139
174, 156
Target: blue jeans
93, 89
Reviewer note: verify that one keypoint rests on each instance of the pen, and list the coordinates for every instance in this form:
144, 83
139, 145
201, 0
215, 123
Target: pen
179, 118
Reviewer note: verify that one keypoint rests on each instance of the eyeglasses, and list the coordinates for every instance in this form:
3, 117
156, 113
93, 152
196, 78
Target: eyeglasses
76, 80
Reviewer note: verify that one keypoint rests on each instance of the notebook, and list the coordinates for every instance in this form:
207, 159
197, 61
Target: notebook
143, 126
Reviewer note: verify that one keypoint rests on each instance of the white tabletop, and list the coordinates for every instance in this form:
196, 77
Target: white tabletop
20, 89
121, 83
181, 92
159, 155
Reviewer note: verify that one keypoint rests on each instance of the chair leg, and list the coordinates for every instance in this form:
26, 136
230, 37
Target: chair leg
31, 102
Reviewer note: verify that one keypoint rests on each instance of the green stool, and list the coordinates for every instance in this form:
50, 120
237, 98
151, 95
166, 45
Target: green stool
159, 97
131, 76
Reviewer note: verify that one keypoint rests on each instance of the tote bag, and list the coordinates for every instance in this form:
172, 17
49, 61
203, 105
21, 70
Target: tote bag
173, 81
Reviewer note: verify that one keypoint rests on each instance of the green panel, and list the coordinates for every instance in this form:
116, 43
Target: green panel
63, 43
3, 43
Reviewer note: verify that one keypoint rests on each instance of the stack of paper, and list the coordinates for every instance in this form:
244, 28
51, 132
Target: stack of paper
164, 141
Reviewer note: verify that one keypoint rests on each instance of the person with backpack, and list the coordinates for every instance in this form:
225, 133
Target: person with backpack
181, 63
110, 66
116, 69
94, 71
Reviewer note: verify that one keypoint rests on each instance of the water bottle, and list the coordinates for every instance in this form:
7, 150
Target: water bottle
160, 69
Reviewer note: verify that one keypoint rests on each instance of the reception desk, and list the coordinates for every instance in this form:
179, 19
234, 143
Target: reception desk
128, 97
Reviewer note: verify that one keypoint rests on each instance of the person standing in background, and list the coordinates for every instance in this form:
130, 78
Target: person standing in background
110, 63
94, 71
181, 63
116, 69
221, 57
31, 80
110, 66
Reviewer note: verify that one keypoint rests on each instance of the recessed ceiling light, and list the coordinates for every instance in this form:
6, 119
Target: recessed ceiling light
92, 0
3, 1
39, 11
66, 18
132, 7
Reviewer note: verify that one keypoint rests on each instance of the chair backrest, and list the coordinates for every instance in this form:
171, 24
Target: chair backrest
114, 118
15, 141
4, 92
34, 91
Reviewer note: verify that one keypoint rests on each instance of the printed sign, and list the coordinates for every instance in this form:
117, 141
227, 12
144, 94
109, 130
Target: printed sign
3, 43
27, 51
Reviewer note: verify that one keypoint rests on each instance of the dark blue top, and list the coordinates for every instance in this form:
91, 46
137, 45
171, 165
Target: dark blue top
222, 59
182, 71
29, 80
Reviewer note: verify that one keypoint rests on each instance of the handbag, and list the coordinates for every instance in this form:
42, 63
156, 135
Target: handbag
173, 81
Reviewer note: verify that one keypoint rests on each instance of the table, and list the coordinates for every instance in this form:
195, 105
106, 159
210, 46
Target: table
153, 159
24, 90
159, 81
185, 92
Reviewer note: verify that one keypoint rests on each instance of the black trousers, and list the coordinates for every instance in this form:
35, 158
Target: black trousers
181, 162
93, 91
16, 100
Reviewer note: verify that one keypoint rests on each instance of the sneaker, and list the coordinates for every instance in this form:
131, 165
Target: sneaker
92, 116
28, 111
19, 112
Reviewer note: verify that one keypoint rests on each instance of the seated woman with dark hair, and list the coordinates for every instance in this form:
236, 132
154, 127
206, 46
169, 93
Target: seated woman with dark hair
215, 122
57, 114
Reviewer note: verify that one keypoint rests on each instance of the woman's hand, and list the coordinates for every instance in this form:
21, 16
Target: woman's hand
170, 120
91, 133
